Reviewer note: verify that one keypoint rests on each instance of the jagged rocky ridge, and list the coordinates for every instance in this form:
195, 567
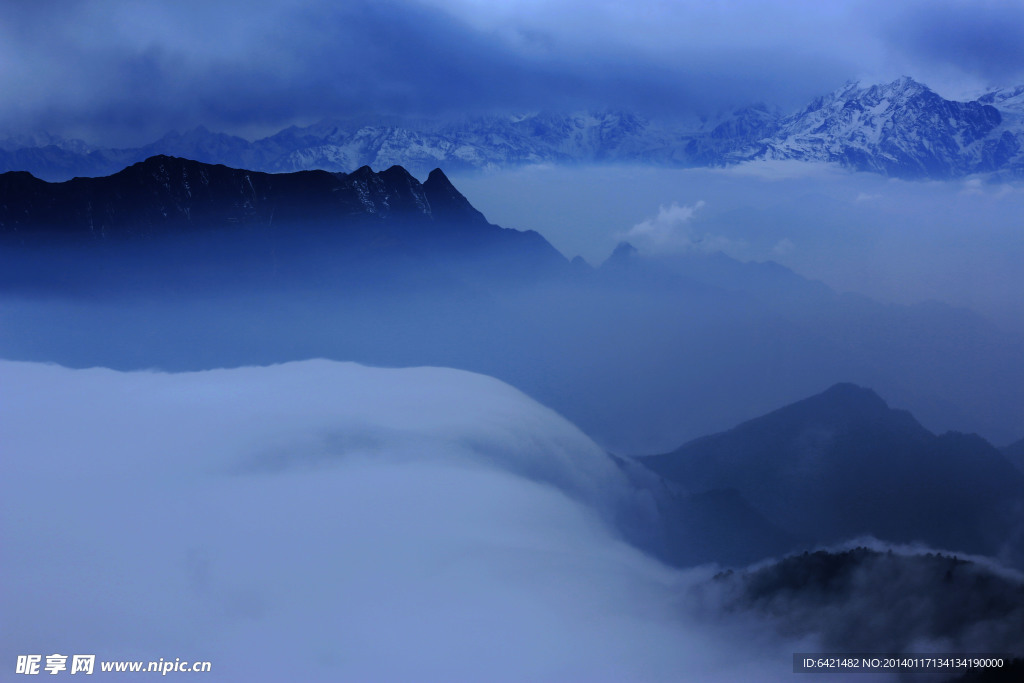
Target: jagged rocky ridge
901, 129
166, 194
172, 222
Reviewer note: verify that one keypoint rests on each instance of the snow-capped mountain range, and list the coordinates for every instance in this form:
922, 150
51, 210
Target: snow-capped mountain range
901, 129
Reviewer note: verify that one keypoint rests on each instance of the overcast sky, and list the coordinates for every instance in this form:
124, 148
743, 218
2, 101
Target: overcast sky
124, 72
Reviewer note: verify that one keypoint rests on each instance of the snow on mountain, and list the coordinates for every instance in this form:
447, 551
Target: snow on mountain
200, 144
482, 142
1005, 99
15, 142
901, 129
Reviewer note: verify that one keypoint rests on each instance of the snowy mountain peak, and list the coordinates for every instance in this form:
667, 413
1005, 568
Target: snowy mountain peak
903, 86
1005, 99
895, 94
901, 128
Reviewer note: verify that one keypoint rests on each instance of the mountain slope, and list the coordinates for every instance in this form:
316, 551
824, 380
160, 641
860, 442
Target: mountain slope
867, 600
171, 222
1015, 453
166, 194
842, 464
900, 129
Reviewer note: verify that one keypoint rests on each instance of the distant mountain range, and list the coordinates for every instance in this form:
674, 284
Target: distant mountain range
900, 129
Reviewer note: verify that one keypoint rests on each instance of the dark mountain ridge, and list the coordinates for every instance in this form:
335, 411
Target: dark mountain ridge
175, 224
1015, 453
869, 600
168, 194
842, 464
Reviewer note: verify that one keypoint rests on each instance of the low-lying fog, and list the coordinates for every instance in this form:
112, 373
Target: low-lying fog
326, 521
959, 242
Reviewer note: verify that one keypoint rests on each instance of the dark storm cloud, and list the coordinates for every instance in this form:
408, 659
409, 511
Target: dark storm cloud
985, 39
317, 61
123, 73
116, 70
313, 62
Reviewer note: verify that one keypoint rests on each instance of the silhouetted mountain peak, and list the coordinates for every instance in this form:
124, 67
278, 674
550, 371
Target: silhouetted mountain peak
446, 201
849, 396
841, 407
171, 172
362, 172
621, 256
396, 171
161, 160
165, 194
388, 216
148, 164
580, 264
843, 463
437, 180
20, 177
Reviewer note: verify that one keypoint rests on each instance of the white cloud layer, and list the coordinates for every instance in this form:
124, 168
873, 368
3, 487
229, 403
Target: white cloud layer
670, 231
326, 521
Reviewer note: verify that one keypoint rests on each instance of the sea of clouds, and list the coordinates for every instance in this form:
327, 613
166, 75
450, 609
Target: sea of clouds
327, 521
